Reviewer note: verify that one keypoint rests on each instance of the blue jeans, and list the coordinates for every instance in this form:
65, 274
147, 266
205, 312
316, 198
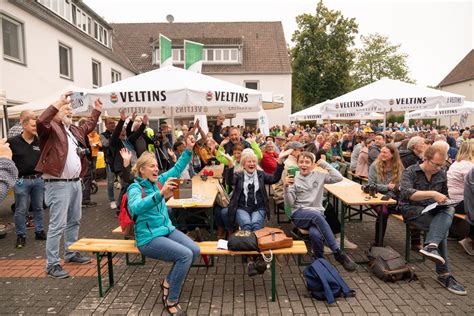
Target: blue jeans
437, 223
64, 202
250, 221
222, 218
28, 191
110, 183
177, 248
319, 230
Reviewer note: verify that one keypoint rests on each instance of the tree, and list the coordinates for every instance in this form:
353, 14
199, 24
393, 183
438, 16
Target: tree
378, 58
321, 58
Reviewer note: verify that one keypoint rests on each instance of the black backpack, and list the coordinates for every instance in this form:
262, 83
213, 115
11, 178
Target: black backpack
388, 265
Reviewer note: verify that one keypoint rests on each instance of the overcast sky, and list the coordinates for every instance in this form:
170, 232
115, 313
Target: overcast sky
435, 34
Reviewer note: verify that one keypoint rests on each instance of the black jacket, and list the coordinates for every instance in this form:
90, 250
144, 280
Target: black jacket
116, 145
409, 158
238, 185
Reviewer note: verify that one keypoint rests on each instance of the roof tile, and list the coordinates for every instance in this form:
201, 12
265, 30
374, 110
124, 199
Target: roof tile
462, 72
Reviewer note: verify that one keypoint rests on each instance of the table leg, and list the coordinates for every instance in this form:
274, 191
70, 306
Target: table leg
273, 280
343, 215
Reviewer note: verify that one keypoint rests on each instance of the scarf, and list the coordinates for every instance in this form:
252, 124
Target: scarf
250, 178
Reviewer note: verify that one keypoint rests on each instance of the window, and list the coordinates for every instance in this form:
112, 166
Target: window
251, 85
116, 76
65, 61
221, 55
13, 39
96, 74
210, 55
178, 55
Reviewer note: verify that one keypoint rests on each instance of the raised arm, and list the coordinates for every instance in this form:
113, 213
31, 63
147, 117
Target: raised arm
44, 120
181, 164
216, 132
333, 176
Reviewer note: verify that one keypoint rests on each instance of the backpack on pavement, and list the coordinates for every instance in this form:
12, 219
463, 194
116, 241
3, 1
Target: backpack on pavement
388, 265
324, 282
127, 222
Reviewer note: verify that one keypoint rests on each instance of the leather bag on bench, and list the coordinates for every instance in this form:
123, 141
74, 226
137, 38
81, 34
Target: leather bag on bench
272, 238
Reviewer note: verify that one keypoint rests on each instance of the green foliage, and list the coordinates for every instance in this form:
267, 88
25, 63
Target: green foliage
378, 58
395, 118
321, 58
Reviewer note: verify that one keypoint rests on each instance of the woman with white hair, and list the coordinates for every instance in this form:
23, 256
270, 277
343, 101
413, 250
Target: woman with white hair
249, 202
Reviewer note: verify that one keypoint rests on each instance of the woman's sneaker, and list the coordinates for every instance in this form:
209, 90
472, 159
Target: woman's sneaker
252, 269
468, 245
450, 283
431, 252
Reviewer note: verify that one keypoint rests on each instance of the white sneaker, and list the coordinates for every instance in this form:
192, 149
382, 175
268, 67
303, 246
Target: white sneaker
327, 250
113, 205
468, 246
347, 243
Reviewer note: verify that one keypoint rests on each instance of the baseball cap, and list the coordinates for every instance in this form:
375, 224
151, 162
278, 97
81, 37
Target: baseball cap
294, 145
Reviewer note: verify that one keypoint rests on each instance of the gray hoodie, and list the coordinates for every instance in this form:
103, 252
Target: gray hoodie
307, 191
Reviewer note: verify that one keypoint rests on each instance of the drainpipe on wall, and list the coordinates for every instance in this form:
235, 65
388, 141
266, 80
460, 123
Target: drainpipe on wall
3, 103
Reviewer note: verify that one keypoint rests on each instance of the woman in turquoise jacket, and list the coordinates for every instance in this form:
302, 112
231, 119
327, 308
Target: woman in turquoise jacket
155, 235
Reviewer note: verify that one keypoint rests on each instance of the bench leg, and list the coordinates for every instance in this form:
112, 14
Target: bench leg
110, 267
273, 280
134, 263
208, 265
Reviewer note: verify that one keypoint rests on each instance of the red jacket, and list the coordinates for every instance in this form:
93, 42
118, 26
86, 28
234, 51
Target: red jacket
54, 143
269, 162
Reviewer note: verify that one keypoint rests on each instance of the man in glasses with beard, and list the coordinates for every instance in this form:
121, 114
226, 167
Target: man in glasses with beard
63, 164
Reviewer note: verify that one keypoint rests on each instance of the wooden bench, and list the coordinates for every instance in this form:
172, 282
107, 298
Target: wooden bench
354, 177
408, 234
109, 248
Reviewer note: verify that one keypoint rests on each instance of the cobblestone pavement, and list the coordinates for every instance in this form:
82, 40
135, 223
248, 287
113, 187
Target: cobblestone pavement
224, 289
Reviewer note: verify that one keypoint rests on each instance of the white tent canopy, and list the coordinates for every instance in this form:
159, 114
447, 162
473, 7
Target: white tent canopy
467, 108
315, 113
312, 113
175, 92
387, 94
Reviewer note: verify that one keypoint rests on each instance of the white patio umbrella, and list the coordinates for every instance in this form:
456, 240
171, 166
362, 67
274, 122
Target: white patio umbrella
174, 92
312, 113
387, 94
315, 113
467, 108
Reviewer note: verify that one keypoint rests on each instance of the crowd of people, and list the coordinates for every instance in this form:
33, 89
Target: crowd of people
50, 160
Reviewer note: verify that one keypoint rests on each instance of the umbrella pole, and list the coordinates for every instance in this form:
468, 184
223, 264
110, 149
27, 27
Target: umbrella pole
384, 120
173, 135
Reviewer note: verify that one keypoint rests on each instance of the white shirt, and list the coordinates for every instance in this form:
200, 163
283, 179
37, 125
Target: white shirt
72, 168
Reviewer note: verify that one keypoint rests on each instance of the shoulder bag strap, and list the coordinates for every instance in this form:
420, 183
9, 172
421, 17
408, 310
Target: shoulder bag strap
345, 288
323, 274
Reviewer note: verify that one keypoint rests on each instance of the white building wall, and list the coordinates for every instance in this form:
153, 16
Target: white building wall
40, 76
465, 88
278, 84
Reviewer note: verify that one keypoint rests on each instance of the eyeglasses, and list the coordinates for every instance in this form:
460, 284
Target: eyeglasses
437, 164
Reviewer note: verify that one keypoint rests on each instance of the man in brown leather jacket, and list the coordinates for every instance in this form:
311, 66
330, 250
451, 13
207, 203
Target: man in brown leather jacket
63, 163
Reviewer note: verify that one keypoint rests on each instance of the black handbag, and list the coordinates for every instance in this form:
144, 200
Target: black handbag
242, 240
